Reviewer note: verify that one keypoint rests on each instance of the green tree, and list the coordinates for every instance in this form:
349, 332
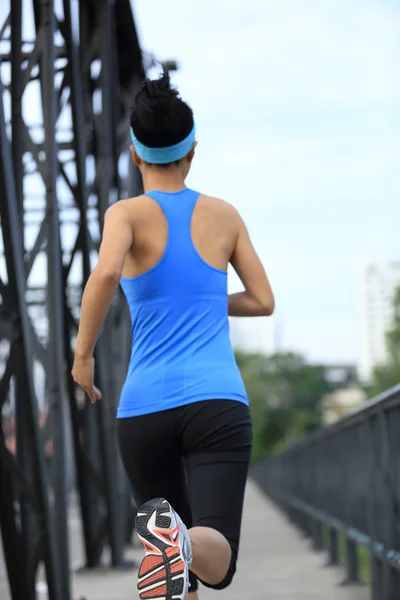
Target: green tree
387, 375
285, 394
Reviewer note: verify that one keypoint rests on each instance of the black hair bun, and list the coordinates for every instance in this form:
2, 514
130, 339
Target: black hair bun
160, 117
159, 87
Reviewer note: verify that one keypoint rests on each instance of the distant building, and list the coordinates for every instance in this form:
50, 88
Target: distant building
256, 335
346, 396
377, 282
341, 402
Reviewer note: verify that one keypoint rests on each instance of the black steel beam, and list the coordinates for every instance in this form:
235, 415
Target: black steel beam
31, 461
55, 297
87, 484
16, 100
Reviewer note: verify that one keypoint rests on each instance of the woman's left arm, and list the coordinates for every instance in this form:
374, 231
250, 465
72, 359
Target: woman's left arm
99, 292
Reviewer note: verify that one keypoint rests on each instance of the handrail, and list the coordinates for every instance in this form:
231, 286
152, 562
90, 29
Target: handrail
343, 481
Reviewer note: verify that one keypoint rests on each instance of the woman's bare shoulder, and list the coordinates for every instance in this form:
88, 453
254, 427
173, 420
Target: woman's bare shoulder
132, 204
222, 206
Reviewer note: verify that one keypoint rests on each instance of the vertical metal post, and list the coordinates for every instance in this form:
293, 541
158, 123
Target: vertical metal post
18, 556
393, 584
88, 490
333, 547
104, 160
317, 536
377, 579
351, 558
25, 460
389, 489
372, 453
352, 563
16, 104
11, 231
14, 550
56, 358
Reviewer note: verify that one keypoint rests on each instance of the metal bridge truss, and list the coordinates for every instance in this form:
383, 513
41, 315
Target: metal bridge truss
68, 71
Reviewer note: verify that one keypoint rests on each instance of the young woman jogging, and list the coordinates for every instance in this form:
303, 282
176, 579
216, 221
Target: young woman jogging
183, 419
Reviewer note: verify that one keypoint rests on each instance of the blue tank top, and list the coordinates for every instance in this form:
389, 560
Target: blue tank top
181, 349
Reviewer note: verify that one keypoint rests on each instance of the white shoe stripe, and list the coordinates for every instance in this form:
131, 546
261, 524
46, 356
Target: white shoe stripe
152, 586
151, 573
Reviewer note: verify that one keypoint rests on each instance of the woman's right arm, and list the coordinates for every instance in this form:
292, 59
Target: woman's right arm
257, 300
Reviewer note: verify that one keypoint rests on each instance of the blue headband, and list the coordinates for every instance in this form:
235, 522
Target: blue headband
168, 154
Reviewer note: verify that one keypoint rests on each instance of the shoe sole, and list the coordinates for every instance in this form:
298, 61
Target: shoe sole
163, 573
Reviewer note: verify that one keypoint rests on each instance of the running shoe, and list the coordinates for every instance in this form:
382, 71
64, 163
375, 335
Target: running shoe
164, 572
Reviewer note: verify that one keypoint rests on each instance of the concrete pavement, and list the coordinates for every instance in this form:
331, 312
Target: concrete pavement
275, 563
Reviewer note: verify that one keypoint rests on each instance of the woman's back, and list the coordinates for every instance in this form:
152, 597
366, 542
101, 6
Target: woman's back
175, 281
213, 229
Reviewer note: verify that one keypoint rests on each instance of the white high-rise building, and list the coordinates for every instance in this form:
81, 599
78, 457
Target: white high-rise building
377, 282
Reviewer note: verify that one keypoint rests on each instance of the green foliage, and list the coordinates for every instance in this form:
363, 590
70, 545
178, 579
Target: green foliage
285, 394
387, 375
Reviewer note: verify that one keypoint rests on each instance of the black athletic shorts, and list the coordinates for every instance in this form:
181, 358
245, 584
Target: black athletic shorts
197, 457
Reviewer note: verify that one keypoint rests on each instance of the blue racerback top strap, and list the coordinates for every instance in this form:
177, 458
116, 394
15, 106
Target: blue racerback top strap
181, 350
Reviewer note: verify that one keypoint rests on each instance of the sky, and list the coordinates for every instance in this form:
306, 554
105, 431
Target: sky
297, 108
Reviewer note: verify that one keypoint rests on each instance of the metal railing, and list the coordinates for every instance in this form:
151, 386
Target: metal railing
343, 483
